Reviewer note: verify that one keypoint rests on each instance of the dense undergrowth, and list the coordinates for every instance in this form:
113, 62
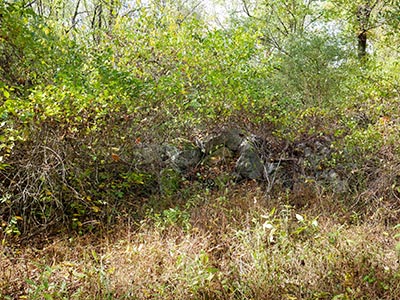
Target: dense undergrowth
82, 212
234, 245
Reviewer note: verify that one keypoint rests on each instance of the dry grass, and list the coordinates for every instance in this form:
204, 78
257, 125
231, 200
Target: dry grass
236, 245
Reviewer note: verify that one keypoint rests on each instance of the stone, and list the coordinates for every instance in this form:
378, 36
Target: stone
168, 151
229, 138
186, 159
337, 184
249, 165
147, 156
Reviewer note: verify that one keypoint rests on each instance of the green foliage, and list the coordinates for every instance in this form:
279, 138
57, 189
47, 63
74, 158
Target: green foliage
31, 52
45, 288
79, 102
11, 228
311, 72
170, 181
197, 273
172, 217
87, 91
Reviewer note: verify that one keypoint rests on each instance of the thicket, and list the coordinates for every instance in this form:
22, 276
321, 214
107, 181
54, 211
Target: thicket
77, 103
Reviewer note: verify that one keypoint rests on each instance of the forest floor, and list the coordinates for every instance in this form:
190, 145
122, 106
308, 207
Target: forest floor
236, 244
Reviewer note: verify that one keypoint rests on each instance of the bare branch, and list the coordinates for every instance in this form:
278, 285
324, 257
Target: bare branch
246, 9
29, 4
73, 20
190, 12
285, 29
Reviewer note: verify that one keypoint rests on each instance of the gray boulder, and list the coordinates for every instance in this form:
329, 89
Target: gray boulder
229, 138
186, 159
249, 165
147, 156
335, 182
181, 160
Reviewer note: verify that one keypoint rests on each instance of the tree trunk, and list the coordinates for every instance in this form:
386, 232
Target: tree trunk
363, 14
362, 44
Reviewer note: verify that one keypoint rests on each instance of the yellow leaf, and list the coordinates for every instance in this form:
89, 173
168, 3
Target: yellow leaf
96, 209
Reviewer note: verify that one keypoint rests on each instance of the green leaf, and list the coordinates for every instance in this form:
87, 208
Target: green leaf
6, 94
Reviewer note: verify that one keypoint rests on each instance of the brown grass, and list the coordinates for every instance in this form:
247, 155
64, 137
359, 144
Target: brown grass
236, 245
